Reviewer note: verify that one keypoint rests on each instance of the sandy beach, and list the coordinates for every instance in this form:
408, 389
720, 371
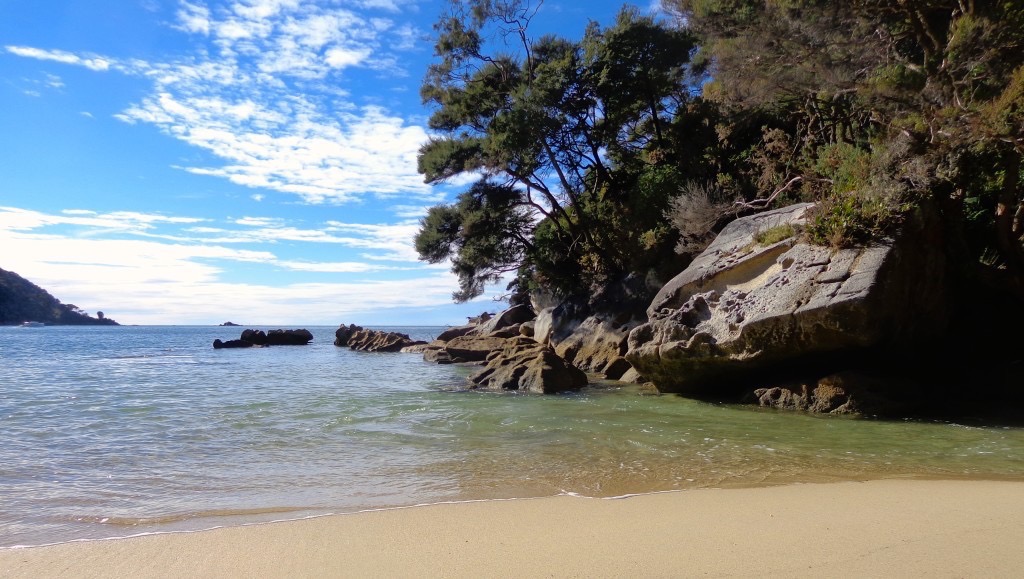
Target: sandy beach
893, 528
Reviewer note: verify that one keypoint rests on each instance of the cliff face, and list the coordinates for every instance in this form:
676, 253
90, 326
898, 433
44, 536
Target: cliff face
22, 300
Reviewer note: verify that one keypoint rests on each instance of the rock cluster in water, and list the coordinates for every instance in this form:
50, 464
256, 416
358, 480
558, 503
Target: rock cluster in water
259, 338
363, 340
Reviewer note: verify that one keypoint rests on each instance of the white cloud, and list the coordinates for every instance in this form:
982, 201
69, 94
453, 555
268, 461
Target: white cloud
266, 98
92, 62
331, 267
339, 57
142, 281
194, 18
395, 240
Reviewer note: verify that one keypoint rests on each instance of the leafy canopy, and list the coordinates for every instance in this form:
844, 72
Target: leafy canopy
558, 132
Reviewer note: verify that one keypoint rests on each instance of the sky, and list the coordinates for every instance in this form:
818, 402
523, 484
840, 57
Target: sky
254, 161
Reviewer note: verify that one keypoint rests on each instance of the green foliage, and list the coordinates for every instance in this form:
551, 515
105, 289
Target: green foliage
847, 167
852, 219
22, 300
483, 234
870, 106
775, 234
569, 129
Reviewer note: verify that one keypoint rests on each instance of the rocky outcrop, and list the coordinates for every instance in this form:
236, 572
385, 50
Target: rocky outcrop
259, 338
512, 360
278, 337
363, 340
474, 348
597, 345
217, 344
524, 365
511, 317
839, 393
742, 308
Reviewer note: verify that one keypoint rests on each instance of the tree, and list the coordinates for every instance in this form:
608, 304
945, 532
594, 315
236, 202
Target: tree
558, 130
872, 106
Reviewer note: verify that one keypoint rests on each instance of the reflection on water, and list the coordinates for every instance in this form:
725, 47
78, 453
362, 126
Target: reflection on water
114, 431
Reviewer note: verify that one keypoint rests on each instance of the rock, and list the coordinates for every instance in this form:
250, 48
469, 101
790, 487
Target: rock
543, 326
506, 332
839, 393
230, 324
477, 320
524, 365
272, 338
596, 345
615, 368
343, 333
632, 376
289, 337
363, 340
526, 328
438, 356
510, 317
217, 344
380, 341
258, 337
455, 332
417, 348
474, 348
741, 309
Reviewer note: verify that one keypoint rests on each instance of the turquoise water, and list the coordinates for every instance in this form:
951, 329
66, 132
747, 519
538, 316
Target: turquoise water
118, 431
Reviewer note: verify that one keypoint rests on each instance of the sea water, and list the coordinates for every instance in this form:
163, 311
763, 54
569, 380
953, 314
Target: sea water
116, 431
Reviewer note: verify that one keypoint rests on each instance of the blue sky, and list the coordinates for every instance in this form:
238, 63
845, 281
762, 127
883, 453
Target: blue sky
198, 161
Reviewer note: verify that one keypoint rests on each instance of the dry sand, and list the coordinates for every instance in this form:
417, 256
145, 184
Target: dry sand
894, 528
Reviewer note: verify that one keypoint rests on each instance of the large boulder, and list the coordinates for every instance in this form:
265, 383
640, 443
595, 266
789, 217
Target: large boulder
597, 345
343, 333
512, 316
741, 308
455, 332
289, 337
524, 365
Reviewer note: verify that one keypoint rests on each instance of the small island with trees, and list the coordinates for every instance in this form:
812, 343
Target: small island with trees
23, 301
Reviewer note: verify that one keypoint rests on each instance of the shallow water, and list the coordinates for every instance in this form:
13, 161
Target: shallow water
117, 431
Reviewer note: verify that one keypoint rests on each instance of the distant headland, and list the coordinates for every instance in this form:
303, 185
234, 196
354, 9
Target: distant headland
23, 301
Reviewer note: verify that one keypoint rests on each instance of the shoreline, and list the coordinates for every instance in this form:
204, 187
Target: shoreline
879, 527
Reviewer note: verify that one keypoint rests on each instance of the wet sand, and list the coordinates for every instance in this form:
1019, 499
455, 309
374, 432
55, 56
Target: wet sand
892, 528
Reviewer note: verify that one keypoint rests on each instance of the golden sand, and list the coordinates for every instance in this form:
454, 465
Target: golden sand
894, 528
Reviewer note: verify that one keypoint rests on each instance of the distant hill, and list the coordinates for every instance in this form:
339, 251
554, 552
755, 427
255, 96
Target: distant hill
22, 300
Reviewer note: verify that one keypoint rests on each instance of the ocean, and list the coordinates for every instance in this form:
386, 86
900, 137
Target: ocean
119, 431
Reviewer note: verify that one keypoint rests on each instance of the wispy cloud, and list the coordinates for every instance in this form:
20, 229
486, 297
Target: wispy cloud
93, 62
265, 93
